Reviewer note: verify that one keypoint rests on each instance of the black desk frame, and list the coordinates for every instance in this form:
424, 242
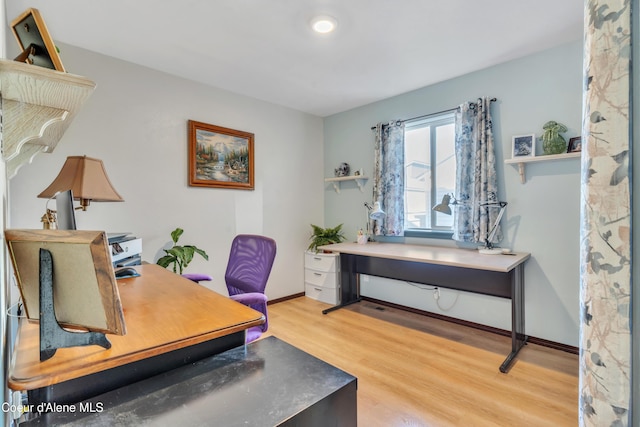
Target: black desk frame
494, 283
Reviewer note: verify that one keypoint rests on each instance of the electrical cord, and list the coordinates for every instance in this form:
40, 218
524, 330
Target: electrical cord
19, 311
452, 304
435, 288
422, 286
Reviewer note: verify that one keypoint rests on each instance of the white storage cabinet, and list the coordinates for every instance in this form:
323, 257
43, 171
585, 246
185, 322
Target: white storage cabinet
322, 276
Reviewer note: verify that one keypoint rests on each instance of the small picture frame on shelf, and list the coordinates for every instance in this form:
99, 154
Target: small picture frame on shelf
523, 146
36, 45
575, 145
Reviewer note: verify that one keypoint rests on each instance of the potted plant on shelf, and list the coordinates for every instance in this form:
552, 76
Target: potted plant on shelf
325, 236
179, 256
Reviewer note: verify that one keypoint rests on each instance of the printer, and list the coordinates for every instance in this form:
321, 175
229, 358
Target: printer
125, 250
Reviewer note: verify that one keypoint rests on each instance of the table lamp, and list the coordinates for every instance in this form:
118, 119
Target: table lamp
87, 179
488, 248
375, 213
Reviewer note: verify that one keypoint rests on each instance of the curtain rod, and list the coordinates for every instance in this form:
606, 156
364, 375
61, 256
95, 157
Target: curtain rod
434, 114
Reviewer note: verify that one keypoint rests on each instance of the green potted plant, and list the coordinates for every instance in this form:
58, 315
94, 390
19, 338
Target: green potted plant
325, 236
179, 256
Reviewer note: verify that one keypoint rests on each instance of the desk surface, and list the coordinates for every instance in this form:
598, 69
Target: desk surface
456, 257
266, 383
163, 312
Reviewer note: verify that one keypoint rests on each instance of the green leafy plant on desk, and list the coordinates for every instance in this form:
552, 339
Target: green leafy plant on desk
179, 256
325, 236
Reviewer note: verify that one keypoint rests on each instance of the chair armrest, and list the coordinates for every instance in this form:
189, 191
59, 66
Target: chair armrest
250, 298
197, 277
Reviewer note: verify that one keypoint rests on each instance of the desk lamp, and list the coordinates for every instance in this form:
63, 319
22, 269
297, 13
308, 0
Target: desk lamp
488, 248
375, 213
87, 179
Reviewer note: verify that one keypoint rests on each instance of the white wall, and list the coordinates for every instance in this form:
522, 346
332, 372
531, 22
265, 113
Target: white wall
136, 122
542, 215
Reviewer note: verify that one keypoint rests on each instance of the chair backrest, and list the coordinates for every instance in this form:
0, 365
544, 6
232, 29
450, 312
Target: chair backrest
250, 262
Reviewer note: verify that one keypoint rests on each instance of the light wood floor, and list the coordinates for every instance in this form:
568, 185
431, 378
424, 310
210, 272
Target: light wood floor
413, 370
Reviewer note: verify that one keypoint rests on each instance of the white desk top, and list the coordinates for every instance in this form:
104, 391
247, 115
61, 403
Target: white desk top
467, 258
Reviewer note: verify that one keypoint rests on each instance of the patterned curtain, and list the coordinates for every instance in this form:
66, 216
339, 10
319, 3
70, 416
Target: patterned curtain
476, 180
607, 380
388, 184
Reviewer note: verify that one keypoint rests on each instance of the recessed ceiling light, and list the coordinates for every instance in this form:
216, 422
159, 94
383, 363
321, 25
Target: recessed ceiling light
324, 24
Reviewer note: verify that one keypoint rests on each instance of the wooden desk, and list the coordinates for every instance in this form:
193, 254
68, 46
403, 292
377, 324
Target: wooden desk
461, 269
170, 322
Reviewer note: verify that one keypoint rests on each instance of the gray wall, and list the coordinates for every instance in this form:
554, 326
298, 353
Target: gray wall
542, 216
136, 122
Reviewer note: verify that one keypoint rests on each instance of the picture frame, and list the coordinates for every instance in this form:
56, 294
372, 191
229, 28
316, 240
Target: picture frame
575, 145
523, 146
35, 42
84, 285
220, 157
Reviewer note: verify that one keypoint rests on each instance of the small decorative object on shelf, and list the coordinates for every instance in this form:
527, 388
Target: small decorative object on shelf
523, 146
552, 141
575, 145
342, 170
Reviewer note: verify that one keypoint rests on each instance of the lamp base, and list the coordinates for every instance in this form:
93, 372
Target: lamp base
493, 251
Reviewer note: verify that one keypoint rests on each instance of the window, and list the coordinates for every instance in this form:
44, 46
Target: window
430, 172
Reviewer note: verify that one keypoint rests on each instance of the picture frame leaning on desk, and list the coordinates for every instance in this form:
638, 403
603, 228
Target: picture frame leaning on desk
71, 271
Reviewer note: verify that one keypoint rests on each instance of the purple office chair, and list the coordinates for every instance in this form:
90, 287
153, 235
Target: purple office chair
248, 269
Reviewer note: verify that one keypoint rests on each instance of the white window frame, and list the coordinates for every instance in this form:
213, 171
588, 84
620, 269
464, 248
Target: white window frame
433, 121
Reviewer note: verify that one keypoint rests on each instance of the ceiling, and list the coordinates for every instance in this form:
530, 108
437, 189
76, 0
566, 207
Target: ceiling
265, 49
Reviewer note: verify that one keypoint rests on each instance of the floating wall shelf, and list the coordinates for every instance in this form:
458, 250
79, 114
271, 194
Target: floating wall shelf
38, 105
360, 180
520, 162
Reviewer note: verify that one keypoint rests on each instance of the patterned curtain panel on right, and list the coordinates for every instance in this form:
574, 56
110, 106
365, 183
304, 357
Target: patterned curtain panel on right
605, 251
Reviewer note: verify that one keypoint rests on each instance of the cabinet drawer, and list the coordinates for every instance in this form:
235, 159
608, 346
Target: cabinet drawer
327, 295
318, 278
321, 262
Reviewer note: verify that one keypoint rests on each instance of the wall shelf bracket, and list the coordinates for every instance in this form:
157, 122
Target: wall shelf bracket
360, 181
522, 161
38, 105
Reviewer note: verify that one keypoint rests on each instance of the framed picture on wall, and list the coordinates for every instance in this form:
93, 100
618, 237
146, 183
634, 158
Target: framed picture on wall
220, 157
523, 146
575, 145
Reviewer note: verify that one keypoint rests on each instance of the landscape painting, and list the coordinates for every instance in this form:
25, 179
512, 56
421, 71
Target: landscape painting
220, 157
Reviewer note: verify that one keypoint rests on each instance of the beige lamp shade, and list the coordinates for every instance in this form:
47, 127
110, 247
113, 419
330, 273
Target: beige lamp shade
86, 178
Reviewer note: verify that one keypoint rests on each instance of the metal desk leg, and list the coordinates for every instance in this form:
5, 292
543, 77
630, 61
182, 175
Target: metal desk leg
518, 338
